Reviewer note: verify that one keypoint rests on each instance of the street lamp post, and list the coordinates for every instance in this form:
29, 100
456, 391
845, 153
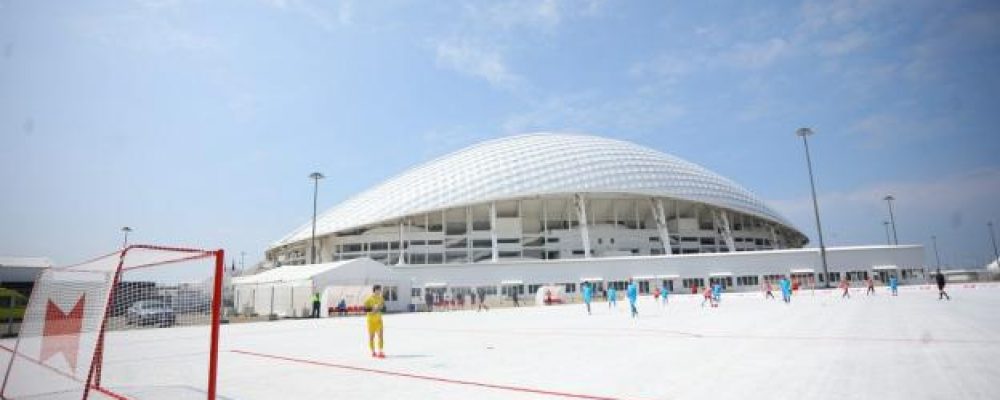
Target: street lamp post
125, 230
937, 257
805, 133
242, 258
315, 176
892, 218
993, 238
888, 240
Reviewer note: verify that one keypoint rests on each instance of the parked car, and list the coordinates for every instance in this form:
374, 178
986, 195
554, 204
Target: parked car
190, 302
12, 305
151, 312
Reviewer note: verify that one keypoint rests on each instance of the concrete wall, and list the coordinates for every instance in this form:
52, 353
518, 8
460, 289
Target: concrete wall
758, 263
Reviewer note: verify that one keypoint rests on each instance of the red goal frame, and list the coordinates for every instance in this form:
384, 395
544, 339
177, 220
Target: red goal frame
181, 254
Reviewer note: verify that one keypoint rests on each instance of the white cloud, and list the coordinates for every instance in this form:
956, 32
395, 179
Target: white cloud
756, 54
473, 60
345, 14
878, 130
845, 44
318, 14
513, 14
668, 68
142, 32
671, 67
531, 14
820, 14
595, 114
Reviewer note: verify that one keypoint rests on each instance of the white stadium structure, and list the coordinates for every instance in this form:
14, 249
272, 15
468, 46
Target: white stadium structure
519, 212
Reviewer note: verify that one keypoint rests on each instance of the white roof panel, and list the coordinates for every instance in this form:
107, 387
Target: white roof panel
293, 273
25, 262
531, 165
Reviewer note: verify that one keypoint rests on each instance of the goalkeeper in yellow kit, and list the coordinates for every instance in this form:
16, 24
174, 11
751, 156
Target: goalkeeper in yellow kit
373, 306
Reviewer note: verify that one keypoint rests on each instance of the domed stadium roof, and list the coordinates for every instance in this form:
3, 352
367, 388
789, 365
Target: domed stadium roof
532, 165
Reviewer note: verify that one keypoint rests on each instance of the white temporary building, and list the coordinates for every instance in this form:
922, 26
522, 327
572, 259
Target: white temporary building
287, 291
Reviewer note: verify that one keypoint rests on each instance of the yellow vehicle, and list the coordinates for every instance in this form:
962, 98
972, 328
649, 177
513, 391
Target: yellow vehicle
12, 303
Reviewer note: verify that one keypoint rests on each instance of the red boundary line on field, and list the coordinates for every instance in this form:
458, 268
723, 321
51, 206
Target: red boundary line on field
427, 377
71, 377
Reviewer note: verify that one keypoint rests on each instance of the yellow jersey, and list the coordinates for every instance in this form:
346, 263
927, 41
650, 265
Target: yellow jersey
374, 304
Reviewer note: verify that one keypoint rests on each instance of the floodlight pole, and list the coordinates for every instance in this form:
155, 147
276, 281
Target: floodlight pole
937, 256
125, 230
805, 133
993, 238
315, 176
892, 218
888, 240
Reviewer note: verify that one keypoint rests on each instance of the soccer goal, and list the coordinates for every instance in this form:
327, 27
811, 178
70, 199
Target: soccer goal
139, 323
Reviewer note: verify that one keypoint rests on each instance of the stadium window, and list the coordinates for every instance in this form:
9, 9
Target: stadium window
415, 292
748, 280
644, 287
612, 240
570, 287
532, 289
726, 281
688, 283
389, 293
508, 241
600, 241
352, 248
482, 244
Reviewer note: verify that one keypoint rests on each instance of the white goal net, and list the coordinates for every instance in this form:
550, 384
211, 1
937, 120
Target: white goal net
138, 323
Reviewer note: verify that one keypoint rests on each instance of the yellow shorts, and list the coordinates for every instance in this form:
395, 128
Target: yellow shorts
374, 324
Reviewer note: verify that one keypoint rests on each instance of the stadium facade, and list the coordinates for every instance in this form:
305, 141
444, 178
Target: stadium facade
529, 210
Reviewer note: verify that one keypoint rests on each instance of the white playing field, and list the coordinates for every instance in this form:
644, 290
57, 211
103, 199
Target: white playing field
911, 346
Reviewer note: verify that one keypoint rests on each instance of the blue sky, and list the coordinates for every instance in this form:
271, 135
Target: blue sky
197, 122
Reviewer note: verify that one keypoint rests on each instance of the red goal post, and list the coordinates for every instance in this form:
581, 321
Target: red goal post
141, 322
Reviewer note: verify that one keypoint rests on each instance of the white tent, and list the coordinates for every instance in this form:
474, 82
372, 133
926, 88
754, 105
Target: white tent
287, 291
